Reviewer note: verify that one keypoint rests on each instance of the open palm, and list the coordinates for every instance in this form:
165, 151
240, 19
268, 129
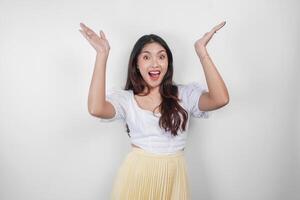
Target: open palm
202, 42
99, 42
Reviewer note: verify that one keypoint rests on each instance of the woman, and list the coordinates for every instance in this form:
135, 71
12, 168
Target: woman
156, 112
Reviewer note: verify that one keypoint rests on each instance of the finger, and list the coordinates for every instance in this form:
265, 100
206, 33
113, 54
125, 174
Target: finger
216, 28
220, 25
83, 26
102, 35
88, 31
210, 35
84, 34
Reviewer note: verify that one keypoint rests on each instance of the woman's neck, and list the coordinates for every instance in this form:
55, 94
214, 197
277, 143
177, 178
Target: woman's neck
154, 92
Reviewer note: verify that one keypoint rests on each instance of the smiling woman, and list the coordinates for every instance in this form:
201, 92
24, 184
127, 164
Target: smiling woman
152, 64
149, 54
156, 112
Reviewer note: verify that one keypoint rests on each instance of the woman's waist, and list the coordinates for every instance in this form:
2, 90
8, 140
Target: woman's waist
154, 151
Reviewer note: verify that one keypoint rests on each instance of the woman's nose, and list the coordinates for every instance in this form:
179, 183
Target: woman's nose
155, 62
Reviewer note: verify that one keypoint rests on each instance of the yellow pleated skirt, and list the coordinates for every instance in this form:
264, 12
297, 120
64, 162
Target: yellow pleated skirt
147, 176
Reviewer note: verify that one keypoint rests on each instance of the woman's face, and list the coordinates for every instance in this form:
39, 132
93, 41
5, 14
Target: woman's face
153, 63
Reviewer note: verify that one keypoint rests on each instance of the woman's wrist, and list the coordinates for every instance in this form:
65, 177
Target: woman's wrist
203, 54
102, 54
201, 51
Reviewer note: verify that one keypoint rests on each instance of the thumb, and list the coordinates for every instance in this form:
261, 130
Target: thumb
102, 34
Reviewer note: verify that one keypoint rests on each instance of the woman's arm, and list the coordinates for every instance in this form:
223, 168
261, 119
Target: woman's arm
97, 104
218, 95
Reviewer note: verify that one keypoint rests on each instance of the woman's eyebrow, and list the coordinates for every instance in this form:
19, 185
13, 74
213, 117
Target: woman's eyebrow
157, 52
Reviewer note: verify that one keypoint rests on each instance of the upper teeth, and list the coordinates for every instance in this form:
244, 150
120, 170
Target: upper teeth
155, 72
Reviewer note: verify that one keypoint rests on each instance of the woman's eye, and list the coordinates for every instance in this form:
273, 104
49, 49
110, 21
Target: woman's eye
145, 57
162, 57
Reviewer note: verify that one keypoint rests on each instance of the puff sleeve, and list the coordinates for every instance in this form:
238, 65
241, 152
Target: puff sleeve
190, 96
118, 98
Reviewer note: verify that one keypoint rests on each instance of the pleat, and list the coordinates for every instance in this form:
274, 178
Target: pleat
146, 176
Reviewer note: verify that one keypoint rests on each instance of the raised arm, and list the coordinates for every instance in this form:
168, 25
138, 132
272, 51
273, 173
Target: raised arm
97, 104
218, 95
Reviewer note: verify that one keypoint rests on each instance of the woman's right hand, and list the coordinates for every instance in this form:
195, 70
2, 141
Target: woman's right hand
99, 42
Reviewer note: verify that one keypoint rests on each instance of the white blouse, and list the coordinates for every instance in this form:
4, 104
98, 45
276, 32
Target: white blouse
143, 124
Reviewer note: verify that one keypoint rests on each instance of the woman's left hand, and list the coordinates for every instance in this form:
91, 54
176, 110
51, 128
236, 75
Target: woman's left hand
200, 44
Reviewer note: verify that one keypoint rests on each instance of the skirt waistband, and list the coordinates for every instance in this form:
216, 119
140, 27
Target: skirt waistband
146, 153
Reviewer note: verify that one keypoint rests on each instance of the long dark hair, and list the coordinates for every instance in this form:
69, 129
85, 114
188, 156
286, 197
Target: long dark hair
171, 111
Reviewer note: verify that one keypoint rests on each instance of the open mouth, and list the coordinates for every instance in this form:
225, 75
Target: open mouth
154, 74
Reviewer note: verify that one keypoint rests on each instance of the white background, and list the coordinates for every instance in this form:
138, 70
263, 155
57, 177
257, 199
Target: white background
51, 148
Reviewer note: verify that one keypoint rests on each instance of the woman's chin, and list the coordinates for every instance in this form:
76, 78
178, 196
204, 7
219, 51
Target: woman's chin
154, 84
